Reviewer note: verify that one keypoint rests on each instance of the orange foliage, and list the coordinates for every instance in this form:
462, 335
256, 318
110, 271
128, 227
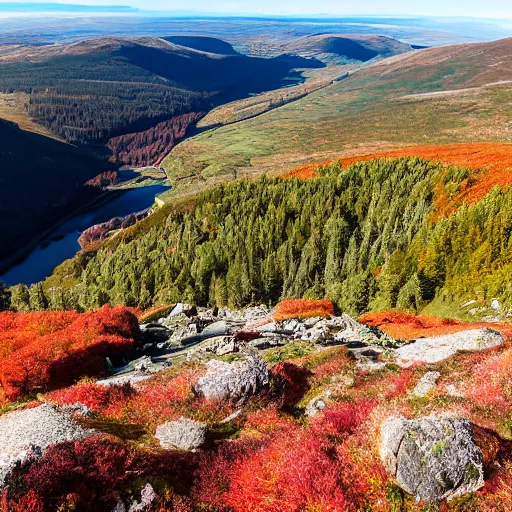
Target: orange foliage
493, 159
41, 351
406, 326
298, 308
306, 171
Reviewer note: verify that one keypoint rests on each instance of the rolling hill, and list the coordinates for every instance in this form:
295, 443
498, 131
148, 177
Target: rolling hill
441, 95
345, 49
91, 91
130, 98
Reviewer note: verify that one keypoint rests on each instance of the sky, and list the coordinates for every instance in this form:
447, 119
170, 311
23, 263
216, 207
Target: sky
476, 8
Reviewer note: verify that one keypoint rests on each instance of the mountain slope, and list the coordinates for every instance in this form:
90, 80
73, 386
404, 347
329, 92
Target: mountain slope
432, 96
203, 44
41, 180
403, 233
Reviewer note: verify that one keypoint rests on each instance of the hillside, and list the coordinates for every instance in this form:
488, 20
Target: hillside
41, 180
349, 48
420, 238
252, 419
91, 91
434, 96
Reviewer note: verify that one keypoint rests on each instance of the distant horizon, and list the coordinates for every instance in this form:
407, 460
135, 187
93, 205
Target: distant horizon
91, 6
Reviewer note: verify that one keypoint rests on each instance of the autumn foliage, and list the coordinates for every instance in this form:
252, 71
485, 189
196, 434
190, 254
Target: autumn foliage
491, 162
406, 326
151, 146
44, 351
298, 308
92, 475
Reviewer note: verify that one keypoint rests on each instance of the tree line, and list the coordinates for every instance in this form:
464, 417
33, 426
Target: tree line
363, 238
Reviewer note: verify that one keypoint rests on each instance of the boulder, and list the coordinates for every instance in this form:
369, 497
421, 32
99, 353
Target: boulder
432, 458
437, 348
235, 381
28, 433
183, 434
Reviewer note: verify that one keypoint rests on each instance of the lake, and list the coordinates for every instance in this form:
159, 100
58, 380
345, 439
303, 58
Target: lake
62, 243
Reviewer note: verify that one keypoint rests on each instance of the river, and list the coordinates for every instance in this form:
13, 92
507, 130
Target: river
62, 243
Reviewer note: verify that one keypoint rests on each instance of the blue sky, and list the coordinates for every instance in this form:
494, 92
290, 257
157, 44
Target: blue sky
476, 8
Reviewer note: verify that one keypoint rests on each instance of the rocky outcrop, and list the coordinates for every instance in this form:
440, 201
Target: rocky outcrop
235, 381
28, 433
432, 458
183, 434
438, 348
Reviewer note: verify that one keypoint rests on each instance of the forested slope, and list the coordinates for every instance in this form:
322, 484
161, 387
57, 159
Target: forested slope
366, 237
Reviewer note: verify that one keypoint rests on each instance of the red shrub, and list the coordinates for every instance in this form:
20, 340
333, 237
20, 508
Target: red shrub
406, 326
291, 470
41, 351
491, 383
97, 471
298, 308
104, 400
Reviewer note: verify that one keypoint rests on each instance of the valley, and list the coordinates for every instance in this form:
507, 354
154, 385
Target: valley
130, 101
263, 272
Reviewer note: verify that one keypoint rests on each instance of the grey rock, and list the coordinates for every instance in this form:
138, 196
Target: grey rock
426, 384
235, 381
177, 310
438, 348
220, 328
228, 345
432, 458
30, 432
148, 498
80, 409
317, 404
120, 506
183, 434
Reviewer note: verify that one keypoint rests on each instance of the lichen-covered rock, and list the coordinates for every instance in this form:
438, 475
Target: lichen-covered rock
437, 348
183, 434
235, 381
432, 458
27, 433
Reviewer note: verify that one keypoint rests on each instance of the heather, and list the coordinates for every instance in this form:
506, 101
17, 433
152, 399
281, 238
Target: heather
269, 452
42, 351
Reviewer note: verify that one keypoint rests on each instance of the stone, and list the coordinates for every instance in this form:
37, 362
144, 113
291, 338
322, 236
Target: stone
227, 346
426, 384
235, 381
495, 305
29, 432
438, 348
432, 458
317, 404
183, 434
148, 498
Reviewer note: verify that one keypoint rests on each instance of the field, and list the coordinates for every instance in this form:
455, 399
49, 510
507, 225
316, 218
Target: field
434, 96
12, 108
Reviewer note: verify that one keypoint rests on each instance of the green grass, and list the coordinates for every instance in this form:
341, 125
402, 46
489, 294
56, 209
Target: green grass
364, 113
